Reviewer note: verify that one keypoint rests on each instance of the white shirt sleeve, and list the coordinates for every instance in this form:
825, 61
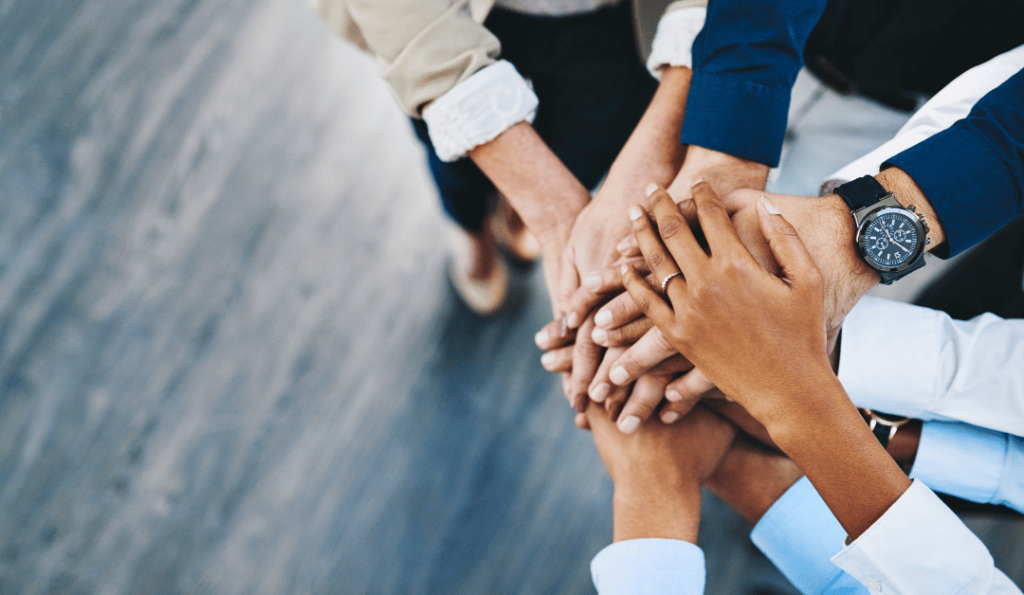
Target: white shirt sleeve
950, 104
677, 29
919, 546
478, 109
906, 360
972, 463
649, 567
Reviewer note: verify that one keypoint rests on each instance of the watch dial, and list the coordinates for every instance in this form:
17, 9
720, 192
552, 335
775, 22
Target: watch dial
890, 240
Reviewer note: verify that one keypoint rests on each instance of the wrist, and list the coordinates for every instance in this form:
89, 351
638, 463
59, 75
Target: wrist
656, 513
908, 193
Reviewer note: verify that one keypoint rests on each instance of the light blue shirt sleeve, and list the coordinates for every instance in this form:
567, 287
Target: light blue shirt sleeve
800, 535
972, 463
649, 567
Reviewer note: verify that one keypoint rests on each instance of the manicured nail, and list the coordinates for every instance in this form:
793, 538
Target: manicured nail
603, 318
649, 190
573, 320
619, 375
768, 205
673, 395
629, 424
599, 336
696, 181
563, 329
624, 268
600, 392
548, 359
669, 417
593, 282
635, 213
623, 246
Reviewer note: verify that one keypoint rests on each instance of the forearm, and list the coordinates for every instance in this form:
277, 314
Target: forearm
540, 188
825, 435
653, 152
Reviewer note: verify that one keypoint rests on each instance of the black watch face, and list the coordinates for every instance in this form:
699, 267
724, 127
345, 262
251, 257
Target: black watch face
890, 238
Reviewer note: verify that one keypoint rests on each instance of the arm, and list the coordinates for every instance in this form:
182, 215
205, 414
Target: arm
443, 64
657, 474
761, 339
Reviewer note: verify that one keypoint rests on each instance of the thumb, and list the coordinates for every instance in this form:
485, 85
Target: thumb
789, 250
568, 280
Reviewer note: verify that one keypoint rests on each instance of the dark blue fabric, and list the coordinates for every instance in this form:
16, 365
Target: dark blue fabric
745, 62
973, 172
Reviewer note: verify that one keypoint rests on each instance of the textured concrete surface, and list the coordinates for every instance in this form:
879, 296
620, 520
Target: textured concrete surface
229, 358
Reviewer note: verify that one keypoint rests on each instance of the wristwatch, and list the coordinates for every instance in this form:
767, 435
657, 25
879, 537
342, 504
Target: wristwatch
883, 425
890, 238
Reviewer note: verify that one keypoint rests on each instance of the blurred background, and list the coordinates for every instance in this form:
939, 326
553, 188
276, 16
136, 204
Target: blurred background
230, 358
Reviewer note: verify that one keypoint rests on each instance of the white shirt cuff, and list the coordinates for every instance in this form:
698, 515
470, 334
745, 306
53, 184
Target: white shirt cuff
799, 535
479, 109
890, 358
962, 460
917, 546
673, 41
649, 567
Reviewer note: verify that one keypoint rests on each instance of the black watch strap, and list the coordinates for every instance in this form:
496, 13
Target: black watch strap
862, 192
883, 433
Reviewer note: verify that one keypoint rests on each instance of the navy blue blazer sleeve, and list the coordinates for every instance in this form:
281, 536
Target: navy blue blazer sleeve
745, 61
973, 172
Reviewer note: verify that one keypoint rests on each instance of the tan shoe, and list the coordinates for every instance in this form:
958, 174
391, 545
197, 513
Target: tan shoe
484, 296
511, 234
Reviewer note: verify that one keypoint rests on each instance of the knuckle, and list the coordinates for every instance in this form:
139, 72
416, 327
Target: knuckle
656, 259
670, 226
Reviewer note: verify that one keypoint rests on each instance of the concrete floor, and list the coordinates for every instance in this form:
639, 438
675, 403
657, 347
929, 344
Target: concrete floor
229, 358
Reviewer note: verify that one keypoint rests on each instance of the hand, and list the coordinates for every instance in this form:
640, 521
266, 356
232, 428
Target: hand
744, 328
723, 171
652, 152
652, 348
658, 471
762, 340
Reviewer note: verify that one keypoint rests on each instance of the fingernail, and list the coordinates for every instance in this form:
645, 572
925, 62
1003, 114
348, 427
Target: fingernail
696, 181
541, 338
619, 375
635, 213
599, 336
673, 395
603, 318
548, 359
600, 392
629, 424
573, 321
593, 282
669, 417
563, 329
623, 246
649, 190
624, 268
768, 205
